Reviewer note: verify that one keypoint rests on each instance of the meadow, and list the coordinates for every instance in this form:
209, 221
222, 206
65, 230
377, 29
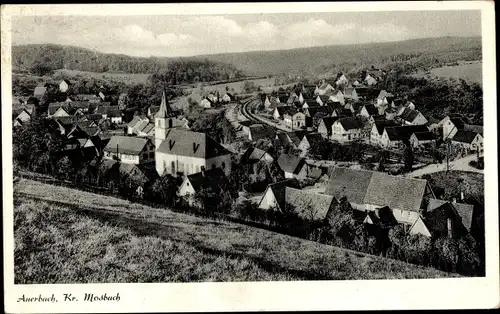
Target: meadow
88, 238
130, 78
469, 71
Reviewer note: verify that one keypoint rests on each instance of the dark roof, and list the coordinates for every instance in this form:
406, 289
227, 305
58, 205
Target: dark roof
328, 121
192, 144
312, 111
126, 144
315, 173
278, 189
371, 109
436, 220
291, 163
259, 131
403, 133
458, 122
314, 139
424, 136
39, 91
135, 120
465, 211
324, 98
384, 94
247, 123
349, 123
376, 188
409, 114
474, 128
110, 111
308, 205
287, 110
213, 178
382, 216
296, 136
342, 112
165, 111
464, 136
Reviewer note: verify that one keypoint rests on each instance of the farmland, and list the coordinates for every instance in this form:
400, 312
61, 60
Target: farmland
470, 71
90, 238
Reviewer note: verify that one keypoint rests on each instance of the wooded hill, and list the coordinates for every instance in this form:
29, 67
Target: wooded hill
327, 60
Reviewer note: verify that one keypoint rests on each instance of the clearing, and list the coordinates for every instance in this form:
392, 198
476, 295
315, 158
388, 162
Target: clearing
469, 71
85, 237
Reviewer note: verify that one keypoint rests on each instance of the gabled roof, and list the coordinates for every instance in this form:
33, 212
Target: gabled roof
193, 144
325, 86
278, 190
474, 128
458, 122
213, 178
126, 144
371, 109
342, 112
350, 123
110, 111
377, 188
404, 132
296, 136
291, 163
328, 121
381, 216
246, 123
312, 111
314, 139
349, 91
464, 136
308, 205
286, 110
39, 91
135, 120
384, 94
424, 136
324, 98
409, 114
259, 131
465, 211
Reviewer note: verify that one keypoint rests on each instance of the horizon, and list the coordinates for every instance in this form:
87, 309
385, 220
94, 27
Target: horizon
199, 35
244, 52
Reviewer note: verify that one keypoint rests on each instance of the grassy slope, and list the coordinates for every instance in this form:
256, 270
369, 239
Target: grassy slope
83, 237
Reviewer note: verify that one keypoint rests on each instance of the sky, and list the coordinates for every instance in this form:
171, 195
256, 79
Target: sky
172, 36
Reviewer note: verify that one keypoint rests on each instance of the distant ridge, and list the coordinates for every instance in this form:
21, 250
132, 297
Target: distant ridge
310, 60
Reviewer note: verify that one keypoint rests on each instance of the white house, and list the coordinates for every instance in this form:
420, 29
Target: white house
347, 129
469, 140
64, 86
342, 80
418, 139
194, 182
337, 96
206, 103
451, 126
411, 117
131, 150
23, 116
325, 88
228, 97
384, 98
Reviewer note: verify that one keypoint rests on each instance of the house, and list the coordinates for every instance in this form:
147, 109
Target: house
341, 112
375, 118
297, 120
337, 96
474, 128
443, 219
341, 80
274, 195
325, 126
309, 103
293, 166
183, 151
292, 98
418, 139
229, 97
255, 154
23, 116
152, 110
88, 97
310, 140
317, 113
368, 110
214, 179
64, 86
322, 99
350, 94
40, 91
301, 99
377, 130
293, 138
346, 129
368, 190
397, 135
470, 141
356, 83
58, 110
279, 112
281, 98
411, 117
451, 125
384, 98
206, 103
259, 131
131, 150
110, 112
324, 88
369, 80
136, 120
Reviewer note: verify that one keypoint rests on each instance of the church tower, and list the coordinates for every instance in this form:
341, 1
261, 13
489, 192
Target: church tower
163, 120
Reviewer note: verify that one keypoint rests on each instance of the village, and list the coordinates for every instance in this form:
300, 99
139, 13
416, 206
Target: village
305, 149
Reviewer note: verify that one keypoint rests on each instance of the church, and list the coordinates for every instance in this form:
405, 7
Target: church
180, 151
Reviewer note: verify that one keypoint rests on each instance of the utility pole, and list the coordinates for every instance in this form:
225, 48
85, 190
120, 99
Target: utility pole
447, 156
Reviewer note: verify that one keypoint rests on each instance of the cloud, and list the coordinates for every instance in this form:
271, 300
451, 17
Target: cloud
182, 36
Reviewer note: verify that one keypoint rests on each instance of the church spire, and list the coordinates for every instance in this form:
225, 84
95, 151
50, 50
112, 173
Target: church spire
164, 110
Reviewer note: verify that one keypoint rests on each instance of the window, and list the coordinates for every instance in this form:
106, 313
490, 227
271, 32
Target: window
151, 155
170, 123
173, 168
223, 165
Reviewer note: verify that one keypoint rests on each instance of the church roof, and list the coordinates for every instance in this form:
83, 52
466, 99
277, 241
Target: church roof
192, 144
165, 111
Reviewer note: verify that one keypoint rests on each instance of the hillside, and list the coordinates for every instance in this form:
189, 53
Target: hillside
91, 238
325, 60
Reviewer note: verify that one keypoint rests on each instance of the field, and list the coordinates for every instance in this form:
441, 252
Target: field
235, 87
130, 78
471, 72
83, 237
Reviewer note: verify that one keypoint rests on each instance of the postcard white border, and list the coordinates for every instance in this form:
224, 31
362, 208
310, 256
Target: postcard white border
462, 293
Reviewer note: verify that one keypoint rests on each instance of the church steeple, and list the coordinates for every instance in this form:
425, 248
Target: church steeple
165, 111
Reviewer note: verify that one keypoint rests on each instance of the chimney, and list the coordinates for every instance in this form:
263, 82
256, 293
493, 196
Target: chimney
203, 171
448, 221
454, 200
462, 196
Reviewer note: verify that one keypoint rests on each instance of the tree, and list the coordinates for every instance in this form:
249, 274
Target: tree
41, 69
64, 167
408, 156
123, 101
165, 189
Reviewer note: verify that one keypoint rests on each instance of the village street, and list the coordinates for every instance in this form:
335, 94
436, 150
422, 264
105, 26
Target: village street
461, 164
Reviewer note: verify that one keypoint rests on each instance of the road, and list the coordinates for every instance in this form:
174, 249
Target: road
461, 164
253, 102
